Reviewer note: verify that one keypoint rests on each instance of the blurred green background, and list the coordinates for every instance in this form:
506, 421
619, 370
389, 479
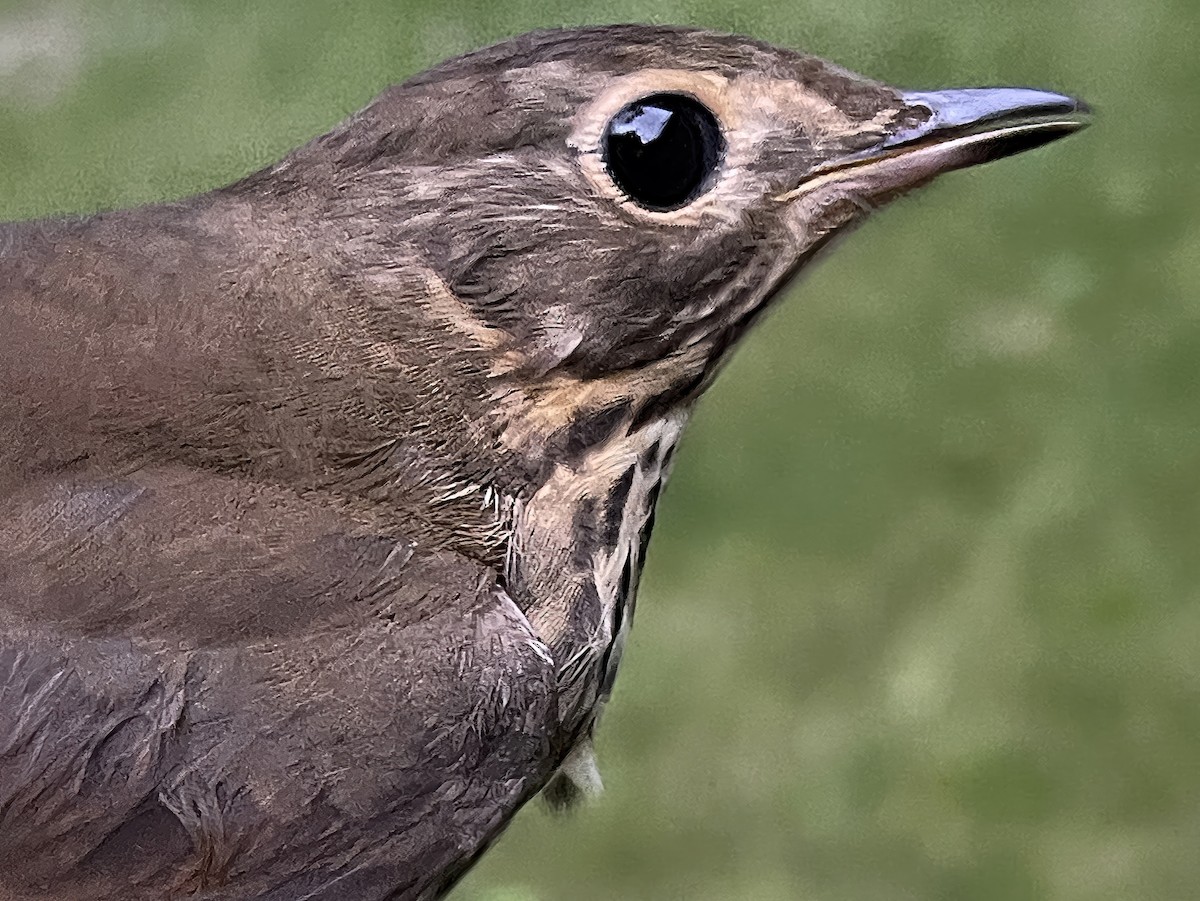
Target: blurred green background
922, 615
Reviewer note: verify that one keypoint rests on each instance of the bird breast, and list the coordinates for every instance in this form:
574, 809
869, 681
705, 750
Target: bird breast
577, 553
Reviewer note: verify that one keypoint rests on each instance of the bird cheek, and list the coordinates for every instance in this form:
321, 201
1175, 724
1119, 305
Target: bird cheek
812, 218
560, 333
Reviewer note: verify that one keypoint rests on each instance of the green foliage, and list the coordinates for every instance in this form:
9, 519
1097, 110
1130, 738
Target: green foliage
922, 616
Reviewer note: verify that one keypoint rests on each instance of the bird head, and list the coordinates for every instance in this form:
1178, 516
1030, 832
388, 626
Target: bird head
600, 213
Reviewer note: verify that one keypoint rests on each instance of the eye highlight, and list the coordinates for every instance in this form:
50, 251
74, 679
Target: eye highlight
662, 150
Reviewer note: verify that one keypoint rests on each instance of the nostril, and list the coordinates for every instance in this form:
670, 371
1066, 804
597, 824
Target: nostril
914, 115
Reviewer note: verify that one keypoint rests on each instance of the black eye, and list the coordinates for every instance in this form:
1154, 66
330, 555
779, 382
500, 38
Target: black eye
662, 150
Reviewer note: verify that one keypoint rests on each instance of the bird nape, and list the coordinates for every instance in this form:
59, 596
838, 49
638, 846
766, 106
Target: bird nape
324, 495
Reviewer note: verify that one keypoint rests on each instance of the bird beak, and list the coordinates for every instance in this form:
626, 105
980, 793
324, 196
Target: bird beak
997, 122
962, 127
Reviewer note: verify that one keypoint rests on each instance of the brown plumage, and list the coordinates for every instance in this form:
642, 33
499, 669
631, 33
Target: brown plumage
323, 496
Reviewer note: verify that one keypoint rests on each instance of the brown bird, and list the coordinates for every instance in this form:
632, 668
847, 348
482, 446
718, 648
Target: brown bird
324, 495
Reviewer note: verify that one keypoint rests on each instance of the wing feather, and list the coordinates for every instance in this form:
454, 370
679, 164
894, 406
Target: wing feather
213, 686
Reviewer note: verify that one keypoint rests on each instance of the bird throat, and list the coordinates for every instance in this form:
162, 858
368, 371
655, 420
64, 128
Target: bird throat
578, 548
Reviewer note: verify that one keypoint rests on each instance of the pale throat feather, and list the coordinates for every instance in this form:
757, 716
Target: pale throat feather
578, 548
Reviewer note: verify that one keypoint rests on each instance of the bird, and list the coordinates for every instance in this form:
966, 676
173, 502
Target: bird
324, 495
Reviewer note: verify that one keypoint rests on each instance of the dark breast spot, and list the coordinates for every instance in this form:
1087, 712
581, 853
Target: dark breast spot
667, 458
649, 455
584, 524
659, 405
623, 592
621, 609
614, 507
648, 525
591, 429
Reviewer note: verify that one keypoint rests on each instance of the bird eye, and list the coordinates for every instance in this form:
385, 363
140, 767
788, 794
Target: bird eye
662, 150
